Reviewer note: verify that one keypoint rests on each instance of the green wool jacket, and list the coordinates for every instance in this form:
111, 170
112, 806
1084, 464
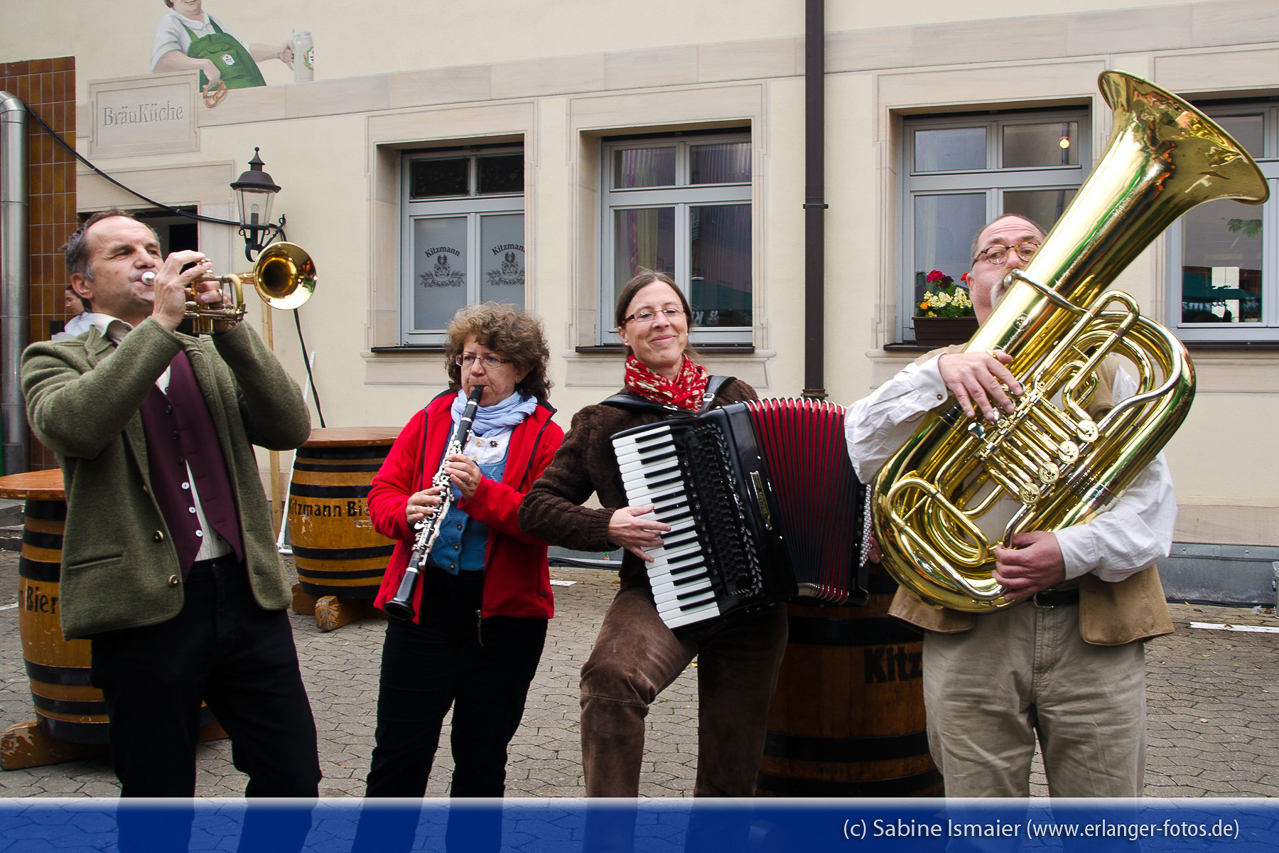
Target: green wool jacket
119, 564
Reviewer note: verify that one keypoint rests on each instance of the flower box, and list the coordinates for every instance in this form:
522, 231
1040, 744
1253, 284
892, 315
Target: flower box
944, 331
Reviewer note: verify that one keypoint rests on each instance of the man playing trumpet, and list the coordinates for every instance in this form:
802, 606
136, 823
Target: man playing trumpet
1066, 667
168, 563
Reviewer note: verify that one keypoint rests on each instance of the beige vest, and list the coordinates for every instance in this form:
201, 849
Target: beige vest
1110, 614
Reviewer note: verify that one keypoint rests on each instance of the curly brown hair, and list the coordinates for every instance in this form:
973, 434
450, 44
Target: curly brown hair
510, 333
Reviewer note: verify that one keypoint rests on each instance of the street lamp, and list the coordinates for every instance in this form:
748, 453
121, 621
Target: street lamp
254, 192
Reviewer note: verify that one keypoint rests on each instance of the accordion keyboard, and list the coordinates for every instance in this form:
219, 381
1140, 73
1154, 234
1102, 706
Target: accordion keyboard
679, 573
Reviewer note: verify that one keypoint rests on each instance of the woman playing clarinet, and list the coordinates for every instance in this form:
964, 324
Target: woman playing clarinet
636, 655
479, 608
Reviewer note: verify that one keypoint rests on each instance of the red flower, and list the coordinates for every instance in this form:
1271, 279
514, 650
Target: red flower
935, 275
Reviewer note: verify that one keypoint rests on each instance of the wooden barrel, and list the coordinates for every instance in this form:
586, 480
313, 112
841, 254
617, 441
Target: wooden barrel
335, 548
848, 716
67, 706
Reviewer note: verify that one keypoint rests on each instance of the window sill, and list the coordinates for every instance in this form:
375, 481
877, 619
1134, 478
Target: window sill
1232, 346
602, 366
1201, 346
705, 349
404, 349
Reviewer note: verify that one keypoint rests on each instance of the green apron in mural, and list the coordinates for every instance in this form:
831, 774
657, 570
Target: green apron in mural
239, 71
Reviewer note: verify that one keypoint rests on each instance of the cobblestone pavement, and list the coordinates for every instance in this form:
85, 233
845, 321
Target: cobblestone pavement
1213, 708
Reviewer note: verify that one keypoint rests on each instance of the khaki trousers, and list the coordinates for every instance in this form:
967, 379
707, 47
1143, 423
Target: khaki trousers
1022, 674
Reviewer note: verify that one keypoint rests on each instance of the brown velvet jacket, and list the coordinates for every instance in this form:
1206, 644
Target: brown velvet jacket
1110, 614
585, 465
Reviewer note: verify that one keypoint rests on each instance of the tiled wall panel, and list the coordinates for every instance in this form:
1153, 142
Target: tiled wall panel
47, 86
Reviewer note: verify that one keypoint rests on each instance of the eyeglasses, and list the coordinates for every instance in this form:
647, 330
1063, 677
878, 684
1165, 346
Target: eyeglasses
647, 315
997, 255
489, 362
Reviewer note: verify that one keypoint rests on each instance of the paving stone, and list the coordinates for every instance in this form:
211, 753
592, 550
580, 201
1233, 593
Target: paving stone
1212, 711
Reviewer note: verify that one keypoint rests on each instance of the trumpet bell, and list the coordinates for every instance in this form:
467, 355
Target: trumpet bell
284, 275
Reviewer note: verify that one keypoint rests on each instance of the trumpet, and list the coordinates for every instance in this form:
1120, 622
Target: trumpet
284, 276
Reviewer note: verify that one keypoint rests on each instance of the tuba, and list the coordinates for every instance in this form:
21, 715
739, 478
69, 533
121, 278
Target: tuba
1057, 464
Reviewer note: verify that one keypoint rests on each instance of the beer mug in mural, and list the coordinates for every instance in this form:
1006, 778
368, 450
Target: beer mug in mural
303, 58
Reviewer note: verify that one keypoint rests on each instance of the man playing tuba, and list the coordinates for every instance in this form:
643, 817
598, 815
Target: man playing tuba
1066, 666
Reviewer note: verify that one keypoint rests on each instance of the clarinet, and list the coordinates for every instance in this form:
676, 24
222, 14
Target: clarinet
428, 529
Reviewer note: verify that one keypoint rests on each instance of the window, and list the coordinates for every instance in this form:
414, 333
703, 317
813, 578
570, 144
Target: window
1224, 276
463, 237
963, 171
681, 205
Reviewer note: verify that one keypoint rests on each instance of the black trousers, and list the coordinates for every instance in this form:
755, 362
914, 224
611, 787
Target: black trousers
224, 649
450, 659
483, 671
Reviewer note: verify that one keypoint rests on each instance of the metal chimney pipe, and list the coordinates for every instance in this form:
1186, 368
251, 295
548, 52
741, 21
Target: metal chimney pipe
15, 276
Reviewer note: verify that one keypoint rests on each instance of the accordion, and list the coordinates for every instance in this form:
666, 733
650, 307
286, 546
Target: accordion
763, 505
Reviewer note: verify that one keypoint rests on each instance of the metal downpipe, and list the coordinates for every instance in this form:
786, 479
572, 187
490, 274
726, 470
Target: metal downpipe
814, 198
15, 269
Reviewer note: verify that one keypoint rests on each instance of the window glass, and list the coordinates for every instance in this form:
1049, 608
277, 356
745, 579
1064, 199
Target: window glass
720, 286
1041, 206
1248, 131
435, 178
1221, 263
1039, 145
502, 258
463, 237
439, 270
682, 206
953, 184
643, 167
725, 163
944, 229
950, 149
502, 174
643, 238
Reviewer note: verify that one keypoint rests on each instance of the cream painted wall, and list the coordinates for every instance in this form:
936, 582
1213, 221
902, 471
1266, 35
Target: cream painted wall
560, 75
856, 175
852, 16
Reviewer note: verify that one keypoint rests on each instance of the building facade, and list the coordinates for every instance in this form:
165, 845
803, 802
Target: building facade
538, 152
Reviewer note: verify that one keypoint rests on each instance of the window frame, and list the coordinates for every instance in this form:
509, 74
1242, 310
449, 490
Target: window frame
1268, 159
681, 196
993, 182
472, 206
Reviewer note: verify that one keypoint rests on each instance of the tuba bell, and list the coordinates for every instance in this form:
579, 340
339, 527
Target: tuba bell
1056, 463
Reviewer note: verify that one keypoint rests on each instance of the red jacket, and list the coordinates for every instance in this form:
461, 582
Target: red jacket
516, 578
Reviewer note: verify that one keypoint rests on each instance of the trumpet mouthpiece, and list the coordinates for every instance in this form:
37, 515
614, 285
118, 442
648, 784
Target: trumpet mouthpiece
148, 277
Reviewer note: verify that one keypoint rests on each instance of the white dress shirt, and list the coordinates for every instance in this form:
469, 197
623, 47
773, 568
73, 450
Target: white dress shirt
1133, 533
